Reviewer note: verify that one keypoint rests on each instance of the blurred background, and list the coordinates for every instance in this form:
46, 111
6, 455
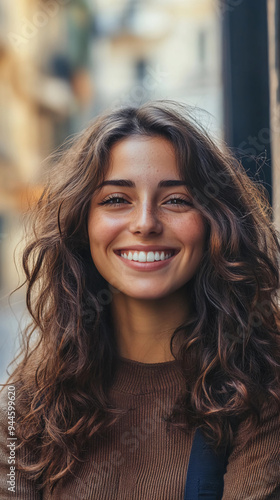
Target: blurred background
64, 61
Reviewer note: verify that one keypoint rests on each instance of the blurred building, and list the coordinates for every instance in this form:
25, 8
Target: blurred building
146, 49
44, 84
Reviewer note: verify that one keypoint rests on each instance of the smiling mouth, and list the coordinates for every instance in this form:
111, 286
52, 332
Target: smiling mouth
141, 256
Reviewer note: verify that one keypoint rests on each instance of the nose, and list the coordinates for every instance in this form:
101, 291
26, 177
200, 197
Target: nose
145, 220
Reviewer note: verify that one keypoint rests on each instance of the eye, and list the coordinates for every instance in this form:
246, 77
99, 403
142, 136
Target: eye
113, 200
178, 201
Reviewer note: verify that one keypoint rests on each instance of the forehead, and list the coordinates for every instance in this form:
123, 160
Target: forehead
143, 157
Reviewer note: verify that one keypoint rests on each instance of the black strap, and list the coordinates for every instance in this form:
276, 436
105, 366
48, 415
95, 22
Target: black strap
205, 477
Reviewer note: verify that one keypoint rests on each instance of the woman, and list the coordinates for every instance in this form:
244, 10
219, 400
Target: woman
152, 282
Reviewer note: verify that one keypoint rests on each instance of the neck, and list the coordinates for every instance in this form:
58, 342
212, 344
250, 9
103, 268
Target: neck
144, 328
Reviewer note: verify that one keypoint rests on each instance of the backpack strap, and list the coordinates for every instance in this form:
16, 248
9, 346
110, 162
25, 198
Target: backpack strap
205, 477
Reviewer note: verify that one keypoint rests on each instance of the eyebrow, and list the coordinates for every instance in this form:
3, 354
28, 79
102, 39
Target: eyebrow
131, 184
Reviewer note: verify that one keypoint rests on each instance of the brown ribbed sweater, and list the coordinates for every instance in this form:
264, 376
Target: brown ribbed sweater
140, 458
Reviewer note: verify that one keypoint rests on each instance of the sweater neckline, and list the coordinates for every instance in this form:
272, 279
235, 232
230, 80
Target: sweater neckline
135, 377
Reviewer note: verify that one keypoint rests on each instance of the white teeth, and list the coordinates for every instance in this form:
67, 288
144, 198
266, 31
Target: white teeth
146, 256
142, 257
150, 257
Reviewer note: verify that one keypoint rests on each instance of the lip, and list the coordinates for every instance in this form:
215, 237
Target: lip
146, 248
146, 266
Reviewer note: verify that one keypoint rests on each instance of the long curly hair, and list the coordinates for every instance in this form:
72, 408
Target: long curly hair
230, 354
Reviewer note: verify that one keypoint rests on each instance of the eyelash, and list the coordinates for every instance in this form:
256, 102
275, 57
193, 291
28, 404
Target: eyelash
110, 198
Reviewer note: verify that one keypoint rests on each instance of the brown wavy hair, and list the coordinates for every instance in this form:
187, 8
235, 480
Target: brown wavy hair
230, 355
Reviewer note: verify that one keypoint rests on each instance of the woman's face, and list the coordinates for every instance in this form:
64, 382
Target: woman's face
146, 238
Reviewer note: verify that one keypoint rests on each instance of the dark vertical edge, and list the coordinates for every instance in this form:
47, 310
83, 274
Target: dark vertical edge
246, 85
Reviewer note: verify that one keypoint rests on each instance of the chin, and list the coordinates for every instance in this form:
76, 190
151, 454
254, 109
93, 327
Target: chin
147, 294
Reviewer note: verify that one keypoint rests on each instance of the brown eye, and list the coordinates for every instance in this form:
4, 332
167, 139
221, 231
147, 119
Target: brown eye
179, 201
113, 200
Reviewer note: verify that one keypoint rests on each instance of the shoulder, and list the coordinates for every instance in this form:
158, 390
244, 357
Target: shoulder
254, 465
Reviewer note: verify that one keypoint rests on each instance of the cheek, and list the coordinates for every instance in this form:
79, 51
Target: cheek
102, 231
192, 231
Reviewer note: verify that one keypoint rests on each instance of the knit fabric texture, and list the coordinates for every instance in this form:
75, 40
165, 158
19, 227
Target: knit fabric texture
143, 458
